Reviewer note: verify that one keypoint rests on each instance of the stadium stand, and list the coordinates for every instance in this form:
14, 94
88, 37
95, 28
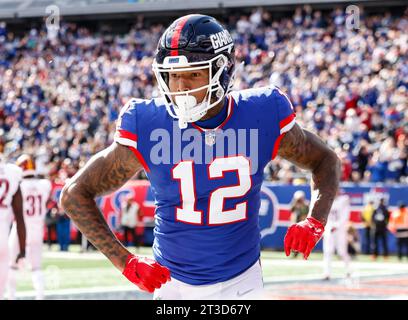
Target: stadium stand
60, 95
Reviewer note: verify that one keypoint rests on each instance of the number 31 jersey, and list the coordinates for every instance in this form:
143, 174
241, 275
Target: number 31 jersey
206, 182
35, 194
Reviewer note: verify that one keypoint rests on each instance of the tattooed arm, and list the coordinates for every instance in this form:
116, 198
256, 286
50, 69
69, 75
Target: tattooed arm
308, 151
105, 172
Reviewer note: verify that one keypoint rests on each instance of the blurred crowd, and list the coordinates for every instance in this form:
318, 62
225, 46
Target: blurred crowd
60, 93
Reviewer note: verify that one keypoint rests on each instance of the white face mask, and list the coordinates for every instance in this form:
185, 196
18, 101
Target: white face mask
183, 105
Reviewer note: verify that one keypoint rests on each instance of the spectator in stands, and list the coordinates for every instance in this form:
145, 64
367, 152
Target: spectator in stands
362, 158
60, 97
63, 230
51, 221
129, 218
380, 219
399, 227
139, 231
366, 217
353, 241
299, 207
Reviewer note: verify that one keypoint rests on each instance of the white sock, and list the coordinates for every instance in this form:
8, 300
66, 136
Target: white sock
12, 283
38, 283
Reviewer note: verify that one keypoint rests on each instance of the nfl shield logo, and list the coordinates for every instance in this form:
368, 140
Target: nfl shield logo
210, 138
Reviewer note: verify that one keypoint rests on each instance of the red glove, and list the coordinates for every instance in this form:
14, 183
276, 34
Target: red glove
303, 236
146, 273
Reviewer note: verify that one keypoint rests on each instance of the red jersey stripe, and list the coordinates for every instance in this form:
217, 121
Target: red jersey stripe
276, 146
127, 135
287, 120
140, 158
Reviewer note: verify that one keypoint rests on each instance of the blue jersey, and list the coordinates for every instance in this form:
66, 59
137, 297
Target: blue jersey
206, 182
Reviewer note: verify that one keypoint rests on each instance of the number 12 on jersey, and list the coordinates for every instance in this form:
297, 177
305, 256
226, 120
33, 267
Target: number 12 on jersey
187, 213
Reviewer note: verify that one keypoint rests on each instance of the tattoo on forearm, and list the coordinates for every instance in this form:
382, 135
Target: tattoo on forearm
308, 151
105, 172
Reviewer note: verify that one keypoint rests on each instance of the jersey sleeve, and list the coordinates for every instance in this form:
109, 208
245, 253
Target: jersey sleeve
126, 125
286, 117
286, 113
17, 176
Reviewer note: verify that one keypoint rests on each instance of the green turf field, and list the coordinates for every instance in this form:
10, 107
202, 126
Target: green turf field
75, 270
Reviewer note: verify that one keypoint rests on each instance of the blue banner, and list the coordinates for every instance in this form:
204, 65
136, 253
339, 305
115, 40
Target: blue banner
274, 214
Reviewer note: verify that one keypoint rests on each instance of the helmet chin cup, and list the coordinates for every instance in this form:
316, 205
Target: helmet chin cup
185, 102
184, 107
182, 124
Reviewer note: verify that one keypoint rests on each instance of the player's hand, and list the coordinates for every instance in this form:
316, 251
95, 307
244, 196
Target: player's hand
303, 236
146, 273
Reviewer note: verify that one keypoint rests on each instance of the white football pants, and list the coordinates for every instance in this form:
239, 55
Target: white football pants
4, 255
33, 257
336, 240
246, 286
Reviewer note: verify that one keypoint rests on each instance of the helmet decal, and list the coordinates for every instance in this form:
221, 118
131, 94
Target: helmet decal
221, 41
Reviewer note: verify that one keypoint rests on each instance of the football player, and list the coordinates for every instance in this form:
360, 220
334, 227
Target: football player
10, 202
206, 221
36, 193
335, 237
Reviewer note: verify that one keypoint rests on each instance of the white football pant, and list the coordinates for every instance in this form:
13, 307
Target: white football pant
246, 286
33, 257
332, 241
4, 256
